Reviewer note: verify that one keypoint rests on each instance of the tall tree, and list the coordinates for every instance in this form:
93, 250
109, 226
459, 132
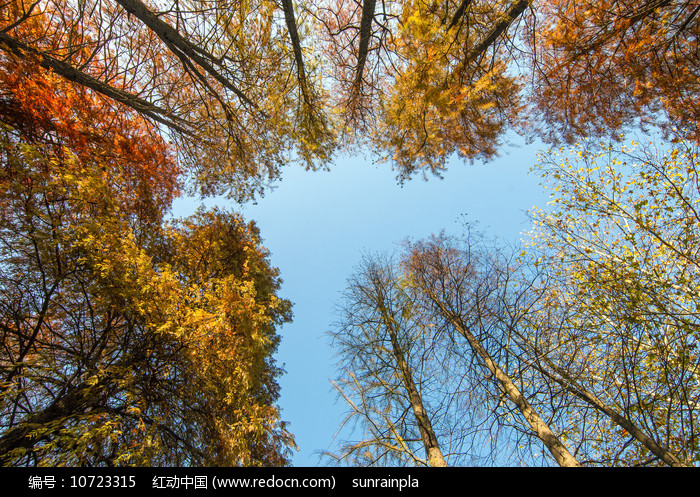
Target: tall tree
457, 285
110, 358
383, 373
620, 240
471, 373
124, 342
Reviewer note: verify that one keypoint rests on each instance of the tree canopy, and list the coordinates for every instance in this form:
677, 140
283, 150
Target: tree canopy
601, 67
130, 338
243, 88
215, 77
126, 339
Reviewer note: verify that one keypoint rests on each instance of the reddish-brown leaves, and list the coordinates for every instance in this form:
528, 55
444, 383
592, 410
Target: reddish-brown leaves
43, 108
602, 66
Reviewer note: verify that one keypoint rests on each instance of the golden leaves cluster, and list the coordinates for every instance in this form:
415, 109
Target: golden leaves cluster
620, 238
127, 340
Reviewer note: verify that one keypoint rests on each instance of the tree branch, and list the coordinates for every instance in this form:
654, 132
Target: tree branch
69, 72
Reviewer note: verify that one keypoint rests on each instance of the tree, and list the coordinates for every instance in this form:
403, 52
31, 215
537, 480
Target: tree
434, 326
125, 342
214, 75
418, 90
601, 67
620, 242
384, 372
112, 359
457, 285
228, 319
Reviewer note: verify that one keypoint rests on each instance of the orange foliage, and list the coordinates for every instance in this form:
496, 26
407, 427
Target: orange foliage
602, 66
43, 108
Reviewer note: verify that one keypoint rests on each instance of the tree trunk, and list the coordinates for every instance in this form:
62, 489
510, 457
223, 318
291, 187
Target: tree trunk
560, 453
430, 440
575, 388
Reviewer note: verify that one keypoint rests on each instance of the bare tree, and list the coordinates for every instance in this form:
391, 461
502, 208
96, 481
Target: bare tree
380, 349
420, 395
458, 285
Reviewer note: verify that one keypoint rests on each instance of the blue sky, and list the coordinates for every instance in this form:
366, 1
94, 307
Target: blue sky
318, 224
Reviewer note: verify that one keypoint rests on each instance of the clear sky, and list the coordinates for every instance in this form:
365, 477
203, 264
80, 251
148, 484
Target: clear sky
318, 224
